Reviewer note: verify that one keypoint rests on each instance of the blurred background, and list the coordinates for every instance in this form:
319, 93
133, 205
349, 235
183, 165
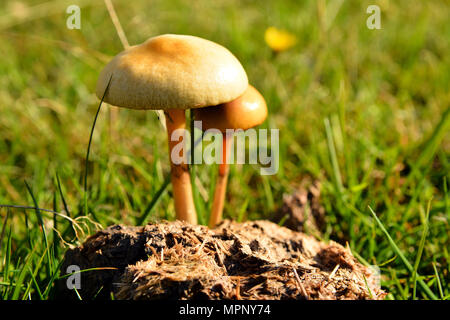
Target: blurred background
363, 113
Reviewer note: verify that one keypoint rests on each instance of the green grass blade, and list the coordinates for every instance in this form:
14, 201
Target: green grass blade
36, 285
333, 156
27, 208
192, 127
86, 161
78, 294
199, 206
41, 224
368, 288
430, 146
242, 211
86, 270
401, 255
97, 293
55, 228
446, 201
52, 279
438, 280
22, 274
419, 252
2, 233
33, 279
270, 202
7, 263
154, 201
63, 199
27, 226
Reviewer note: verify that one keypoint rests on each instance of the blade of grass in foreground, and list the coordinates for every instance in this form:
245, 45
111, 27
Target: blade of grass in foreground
41, 224
66, 208
22, 274
446, 198
89, 149
401, 255
242, 211
55, 228
7, 263
52, 279
154, 201
2, 233
199, 207
438, 280
33, 279
431, 145
419, 252
333, 156
86, 270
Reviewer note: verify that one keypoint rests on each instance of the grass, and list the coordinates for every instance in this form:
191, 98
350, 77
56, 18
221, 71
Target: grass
364, 112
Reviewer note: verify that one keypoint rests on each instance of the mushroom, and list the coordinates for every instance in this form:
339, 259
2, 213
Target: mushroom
173, 73
247, 111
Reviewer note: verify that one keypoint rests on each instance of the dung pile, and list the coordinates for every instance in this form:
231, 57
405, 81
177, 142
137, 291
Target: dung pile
251, 260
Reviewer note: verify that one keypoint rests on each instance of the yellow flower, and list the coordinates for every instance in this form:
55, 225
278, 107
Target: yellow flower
279, 40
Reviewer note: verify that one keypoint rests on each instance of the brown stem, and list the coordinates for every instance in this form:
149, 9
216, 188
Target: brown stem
181, 181
221, 184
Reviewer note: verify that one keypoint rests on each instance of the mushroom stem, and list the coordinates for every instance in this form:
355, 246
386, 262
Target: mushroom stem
181, 182
221, 183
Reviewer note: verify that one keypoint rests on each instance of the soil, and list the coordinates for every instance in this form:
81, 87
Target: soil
251, 260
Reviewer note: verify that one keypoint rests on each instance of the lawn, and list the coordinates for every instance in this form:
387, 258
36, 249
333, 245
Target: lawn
366, 113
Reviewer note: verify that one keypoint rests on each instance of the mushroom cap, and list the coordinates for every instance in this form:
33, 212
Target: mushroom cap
172, 72
247, 111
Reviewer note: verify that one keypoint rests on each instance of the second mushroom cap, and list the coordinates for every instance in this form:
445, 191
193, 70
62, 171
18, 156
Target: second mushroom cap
247, 111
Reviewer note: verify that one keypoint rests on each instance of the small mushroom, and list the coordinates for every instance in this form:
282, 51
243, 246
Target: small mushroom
247, 111
173, 73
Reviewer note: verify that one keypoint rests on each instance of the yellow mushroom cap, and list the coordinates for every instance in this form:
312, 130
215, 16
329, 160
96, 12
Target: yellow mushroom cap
247, 111
172, 71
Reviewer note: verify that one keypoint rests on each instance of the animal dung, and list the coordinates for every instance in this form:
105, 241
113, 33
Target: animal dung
251, 260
